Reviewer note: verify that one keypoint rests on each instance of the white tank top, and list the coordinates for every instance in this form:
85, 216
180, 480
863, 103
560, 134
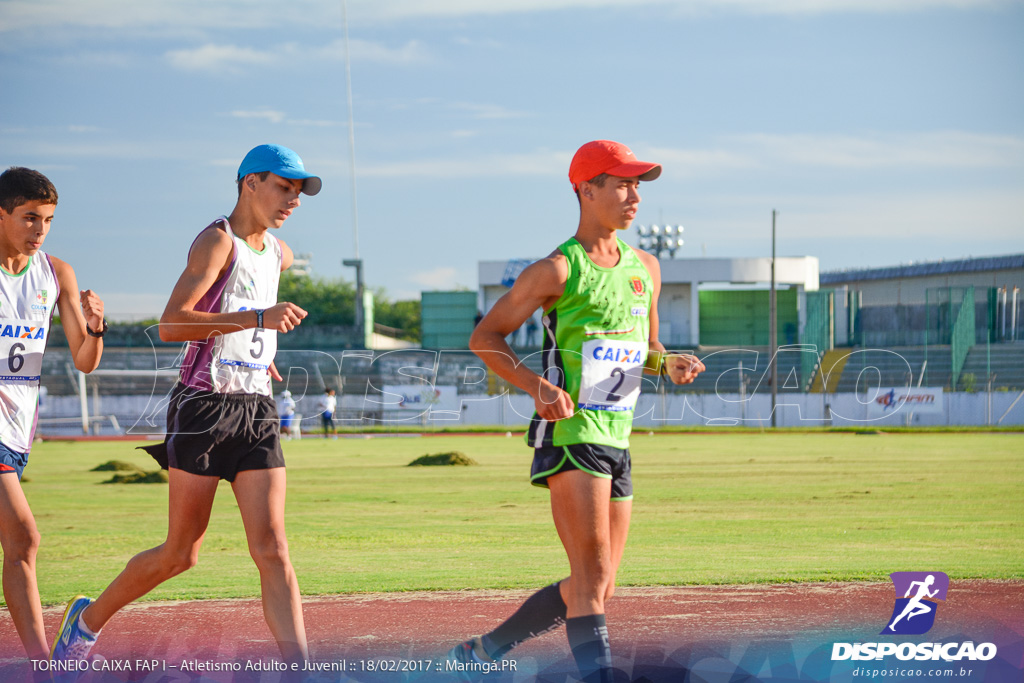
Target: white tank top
26, 306
238, 362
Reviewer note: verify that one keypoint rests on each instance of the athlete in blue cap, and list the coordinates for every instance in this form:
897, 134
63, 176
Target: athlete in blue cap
221, 420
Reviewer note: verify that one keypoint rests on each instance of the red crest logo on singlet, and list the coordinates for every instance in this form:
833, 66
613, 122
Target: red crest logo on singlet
41, 296
637, 284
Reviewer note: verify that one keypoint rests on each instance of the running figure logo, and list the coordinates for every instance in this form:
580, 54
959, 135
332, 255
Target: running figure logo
914, 613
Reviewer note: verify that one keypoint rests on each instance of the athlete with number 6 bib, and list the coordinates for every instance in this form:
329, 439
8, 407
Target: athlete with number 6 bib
32, 284
599, 297
222, 421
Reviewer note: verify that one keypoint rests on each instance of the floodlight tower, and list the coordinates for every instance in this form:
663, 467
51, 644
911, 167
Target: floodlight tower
660, 240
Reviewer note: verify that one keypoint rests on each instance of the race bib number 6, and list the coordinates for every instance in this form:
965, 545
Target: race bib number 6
22, 343
612, 371
253, 348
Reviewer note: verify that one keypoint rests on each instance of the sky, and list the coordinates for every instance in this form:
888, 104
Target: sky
882, 131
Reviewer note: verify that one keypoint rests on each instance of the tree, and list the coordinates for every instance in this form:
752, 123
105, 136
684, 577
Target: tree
402, 315
332, 302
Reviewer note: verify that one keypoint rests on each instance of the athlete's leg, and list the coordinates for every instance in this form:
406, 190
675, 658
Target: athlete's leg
190, 499
541, 612
582, 513
619, 514
20, 540
260, 495
580, 507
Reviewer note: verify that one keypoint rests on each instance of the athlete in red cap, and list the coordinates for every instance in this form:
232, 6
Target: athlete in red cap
600, 302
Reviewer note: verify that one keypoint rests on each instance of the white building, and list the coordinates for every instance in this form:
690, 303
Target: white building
681, 279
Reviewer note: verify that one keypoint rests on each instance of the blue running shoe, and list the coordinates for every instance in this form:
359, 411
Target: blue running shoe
464, 663
71, 644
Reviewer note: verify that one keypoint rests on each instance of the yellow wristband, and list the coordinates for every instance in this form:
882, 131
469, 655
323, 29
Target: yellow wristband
655, 362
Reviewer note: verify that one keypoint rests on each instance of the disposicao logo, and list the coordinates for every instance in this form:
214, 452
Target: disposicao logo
914, 613
917, 596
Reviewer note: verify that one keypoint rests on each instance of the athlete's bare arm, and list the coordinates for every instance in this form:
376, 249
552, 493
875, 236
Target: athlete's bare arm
538, 286
287, 257
681, 368
76, 309
210, 258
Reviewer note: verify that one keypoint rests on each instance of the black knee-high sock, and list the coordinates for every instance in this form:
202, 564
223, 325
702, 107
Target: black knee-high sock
543, 611
588, 640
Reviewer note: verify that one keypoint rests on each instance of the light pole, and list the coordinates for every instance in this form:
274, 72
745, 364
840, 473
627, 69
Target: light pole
659, 240
357, 263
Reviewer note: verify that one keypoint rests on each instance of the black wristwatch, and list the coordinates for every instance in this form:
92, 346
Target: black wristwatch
97, 334
259, 319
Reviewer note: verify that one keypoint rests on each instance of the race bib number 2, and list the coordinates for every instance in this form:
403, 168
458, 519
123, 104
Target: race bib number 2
612, 371
22, 343
253, 348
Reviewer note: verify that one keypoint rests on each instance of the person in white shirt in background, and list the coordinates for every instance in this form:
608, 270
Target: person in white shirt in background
286, 413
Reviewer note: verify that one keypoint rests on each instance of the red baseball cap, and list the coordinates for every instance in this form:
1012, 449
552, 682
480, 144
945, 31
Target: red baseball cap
613, 158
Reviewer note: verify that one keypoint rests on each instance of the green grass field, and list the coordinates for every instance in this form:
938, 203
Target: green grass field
709, 508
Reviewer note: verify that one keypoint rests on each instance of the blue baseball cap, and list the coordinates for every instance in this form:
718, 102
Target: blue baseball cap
279, 161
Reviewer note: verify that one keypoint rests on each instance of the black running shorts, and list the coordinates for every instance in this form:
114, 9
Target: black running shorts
605, 462
219, 435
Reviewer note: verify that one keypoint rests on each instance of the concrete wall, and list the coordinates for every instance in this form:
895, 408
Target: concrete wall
140, 415
794, 410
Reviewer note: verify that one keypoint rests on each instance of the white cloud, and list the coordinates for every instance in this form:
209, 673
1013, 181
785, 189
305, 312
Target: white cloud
269, 114
411, 52
273, 116
316, 123
218, 58
98, 59
214, 57
403, 9
104, 149
475, 110
545, 163
487, 111
760, 151
442, 277
971, 214
754, 152
961, 217
173, 17
950, 149
167, 16
698, 162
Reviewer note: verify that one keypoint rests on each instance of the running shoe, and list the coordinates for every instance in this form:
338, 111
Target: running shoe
71, 644
464, 663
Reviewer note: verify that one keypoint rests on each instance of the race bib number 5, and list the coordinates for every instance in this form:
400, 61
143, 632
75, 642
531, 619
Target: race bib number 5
22, 343
253, 348
612, 371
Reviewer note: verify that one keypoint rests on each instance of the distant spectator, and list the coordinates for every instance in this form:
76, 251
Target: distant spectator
327, 405
531, 332
286, 413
